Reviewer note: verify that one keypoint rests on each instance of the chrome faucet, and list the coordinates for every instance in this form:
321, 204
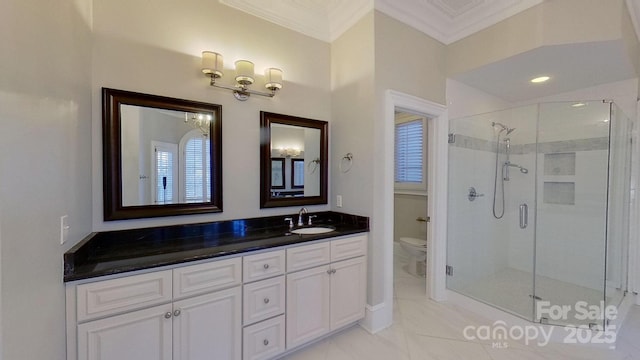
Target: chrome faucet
290, 221
300, 213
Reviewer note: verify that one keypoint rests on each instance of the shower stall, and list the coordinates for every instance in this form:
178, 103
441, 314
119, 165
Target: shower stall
539, 209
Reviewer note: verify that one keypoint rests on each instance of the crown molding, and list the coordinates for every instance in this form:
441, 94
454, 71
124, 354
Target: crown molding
344, 14
446, 24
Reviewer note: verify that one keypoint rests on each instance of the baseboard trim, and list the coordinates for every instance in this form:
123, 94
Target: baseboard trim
376, 318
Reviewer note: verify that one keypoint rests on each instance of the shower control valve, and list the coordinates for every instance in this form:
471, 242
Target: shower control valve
473, 194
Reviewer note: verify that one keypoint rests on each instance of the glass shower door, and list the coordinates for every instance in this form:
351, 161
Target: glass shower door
571, 216
491, 187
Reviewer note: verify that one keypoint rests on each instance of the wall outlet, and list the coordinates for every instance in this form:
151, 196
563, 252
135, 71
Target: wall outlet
339, 201
64, 228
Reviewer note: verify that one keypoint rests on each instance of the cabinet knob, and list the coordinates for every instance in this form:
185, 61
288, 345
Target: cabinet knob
265, 342
266, 300
176, 312
329, 271
333, 271
167, 315
265, 266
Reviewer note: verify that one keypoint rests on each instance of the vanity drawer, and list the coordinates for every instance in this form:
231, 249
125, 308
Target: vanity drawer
348, 248
108, 297
203, 278
263, 299
262, 266
264, 340
307, 256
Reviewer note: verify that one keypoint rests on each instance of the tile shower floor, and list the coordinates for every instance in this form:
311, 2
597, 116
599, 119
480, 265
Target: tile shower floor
511, 289
424, 329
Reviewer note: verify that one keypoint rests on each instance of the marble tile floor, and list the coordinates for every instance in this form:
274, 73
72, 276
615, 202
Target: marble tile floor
428, 330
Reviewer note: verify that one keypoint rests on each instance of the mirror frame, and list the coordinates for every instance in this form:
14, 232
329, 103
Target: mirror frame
266, 119
112, 155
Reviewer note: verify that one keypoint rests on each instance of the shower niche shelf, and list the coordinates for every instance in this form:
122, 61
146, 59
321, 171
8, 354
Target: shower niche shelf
559, 187
560, 164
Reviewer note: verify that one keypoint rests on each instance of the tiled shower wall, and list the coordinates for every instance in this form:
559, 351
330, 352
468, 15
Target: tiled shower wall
571, 220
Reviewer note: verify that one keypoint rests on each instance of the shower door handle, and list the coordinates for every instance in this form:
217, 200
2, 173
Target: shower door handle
524, 216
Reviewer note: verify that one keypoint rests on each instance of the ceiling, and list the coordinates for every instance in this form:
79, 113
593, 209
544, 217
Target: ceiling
571, 66
445, 20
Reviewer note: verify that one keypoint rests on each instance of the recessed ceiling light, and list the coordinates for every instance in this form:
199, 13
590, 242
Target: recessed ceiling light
579, 104
540, 79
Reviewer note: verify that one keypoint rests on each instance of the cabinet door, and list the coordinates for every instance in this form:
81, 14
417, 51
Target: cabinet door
142, 334
348, 291
208, 326
307, 305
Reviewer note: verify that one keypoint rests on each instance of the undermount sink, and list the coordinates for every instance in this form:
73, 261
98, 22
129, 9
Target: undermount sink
312, 230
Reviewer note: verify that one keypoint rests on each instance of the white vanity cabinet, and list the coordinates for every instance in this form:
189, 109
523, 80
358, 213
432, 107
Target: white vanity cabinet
326, 297
264, 305
252, 307
194, 318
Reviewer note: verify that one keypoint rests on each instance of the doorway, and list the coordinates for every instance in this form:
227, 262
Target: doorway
410, 205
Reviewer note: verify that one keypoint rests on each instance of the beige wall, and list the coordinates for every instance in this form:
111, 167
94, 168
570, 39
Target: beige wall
407, 208
156, 50
45, 166
352, 107
550, 23
377, 54
409, 62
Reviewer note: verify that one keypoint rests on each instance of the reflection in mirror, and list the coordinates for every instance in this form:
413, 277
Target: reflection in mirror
165, 157
277, 173
297, 175
293, 161
162, 156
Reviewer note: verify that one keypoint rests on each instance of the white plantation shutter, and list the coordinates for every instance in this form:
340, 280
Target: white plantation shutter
197, 170
409, 152
164, 170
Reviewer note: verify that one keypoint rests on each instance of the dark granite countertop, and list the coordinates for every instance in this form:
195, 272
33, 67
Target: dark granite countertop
114, 252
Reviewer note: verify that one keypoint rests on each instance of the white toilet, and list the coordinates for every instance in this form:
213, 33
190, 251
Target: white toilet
417, 249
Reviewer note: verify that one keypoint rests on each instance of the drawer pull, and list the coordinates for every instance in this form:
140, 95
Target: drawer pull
176, 312
265, 266
167, 315
265, 342
266, 300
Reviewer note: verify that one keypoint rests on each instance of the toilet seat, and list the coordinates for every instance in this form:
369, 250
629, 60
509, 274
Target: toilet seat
414, 241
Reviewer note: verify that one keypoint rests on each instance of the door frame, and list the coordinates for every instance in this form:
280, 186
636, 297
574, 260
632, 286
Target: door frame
437, 175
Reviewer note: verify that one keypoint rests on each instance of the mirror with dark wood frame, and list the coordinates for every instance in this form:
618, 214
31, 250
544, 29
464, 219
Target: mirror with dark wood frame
300, 147
161, 156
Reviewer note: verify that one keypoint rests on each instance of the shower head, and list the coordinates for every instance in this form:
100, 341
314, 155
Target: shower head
503, 127
523, 170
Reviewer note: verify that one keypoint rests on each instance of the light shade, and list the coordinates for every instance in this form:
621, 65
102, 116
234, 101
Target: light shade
244, 72
212, 63
273, 78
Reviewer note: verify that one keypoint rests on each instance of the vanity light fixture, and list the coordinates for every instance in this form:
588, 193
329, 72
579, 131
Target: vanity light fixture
212, 65
289, 152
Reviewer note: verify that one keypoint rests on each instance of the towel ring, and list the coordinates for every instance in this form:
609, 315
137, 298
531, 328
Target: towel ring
313, 165
346, 163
